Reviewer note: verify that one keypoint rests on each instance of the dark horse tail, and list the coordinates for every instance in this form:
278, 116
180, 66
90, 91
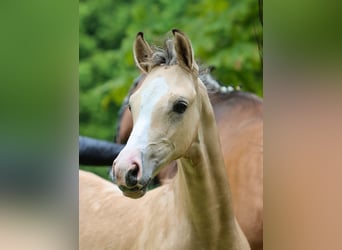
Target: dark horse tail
97, 152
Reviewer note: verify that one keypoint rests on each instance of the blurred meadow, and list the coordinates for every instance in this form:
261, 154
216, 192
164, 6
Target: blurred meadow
226, 35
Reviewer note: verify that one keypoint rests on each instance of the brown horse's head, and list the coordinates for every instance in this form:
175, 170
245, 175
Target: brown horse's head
165, 111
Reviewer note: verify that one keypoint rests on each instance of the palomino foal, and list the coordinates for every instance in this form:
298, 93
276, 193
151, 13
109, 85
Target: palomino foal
173, 120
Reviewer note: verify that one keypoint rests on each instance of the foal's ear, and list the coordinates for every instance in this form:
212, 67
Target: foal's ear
142, 52
185, 54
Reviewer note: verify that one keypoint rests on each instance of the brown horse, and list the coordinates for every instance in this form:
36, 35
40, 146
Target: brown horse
173, 120
239, 120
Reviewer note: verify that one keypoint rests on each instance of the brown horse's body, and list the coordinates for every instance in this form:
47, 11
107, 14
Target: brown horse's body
173, 120
240, 124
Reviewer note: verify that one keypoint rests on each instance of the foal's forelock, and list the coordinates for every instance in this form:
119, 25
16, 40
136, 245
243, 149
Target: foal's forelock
164, 56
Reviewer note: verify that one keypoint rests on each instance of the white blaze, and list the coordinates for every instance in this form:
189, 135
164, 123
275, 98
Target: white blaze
150, 95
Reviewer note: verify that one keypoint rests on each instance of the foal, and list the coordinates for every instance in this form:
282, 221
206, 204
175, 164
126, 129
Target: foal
239, 122
173, 120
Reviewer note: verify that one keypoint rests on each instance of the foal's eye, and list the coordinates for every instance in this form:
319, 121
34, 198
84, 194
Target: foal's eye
129, 107
180, 107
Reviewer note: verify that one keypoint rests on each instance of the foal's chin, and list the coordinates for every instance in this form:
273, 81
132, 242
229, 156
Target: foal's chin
135, 192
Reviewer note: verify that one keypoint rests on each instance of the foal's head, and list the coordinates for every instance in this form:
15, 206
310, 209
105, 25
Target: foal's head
166, 114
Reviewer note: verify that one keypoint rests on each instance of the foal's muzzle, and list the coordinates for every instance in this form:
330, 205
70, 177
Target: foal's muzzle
128, 172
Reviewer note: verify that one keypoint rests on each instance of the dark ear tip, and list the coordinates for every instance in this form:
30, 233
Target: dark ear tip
211, 68
140, 34
174, 31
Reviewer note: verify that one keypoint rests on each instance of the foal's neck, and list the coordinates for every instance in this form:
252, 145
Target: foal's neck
202, 188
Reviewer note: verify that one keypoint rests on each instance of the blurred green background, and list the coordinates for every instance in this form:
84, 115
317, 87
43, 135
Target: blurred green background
225, 34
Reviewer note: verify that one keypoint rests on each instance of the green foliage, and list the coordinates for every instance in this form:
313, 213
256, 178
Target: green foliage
224, 34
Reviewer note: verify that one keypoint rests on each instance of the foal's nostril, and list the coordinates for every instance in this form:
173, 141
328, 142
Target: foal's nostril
132, 176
